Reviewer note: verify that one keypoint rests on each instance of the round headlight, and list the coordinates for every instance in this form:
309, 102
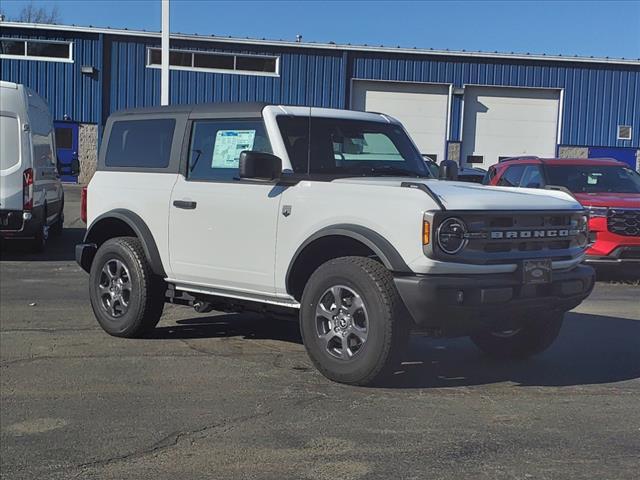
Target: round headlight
452, 235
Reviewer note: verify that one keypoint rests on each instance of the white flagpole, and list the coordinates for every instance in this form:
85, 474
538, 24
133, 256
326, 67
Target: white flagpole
164, 76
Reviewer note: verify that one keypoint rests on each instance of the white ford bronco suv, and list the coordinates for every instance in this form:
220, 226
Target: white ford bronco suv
327, 216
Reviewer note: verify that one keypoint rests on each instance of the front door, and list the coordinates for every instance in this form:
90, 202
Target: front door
222, 231
67, 149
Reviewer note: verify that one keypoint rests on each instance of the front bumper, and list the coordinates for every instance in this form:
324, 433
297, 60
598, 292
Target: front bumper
626, 254
611, 248
457, 305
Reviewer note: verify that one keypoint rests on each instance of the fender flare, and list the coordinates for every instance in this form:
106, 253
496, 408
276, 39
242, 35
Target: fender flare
383, 249
142, 231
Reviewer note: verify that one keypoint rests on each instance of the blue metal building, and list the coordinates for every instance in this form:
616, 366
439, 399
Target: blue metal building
468, 106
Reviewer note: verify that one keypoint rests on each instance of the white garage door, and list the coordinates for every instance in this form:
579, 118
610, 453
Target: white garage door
506, 122
422, 109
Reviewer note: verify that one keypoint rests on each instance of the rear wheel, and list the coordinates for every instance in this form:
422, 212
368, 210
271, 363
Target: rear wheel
523, 342
56, 228
39, 241
353, 322
126, 296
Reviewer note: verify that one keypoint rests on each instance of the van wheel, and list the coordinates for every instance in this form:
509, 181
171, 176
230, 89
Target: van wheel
56, 228
523, 342
126, 296
39, 241
353, 322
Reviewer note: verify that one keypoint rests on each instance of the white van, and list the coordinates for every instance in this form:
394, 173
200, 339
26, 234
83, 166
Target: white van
31, 195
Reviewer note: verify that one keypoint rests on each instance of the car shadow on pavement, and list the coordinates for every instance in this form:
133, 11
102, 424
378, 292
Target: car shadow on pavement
591, 349
626, 274
59, 248
246, 325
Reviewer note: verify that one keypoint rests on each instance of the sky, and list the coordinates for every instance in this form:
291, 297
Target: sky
586, 28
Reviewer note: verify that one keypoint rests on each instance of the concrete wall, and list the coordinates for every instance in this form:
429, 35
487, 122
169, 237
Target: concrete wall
573, 152
567, 151
87, 151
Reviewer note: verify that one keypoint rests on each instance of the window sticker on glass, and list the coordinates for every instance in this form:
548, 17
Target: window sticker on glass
593, 178
229, 144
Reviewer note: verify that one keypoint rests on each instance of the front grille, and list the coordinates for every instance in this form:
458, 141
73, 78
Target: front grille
624, 221
630, 254
497, 237
530, 223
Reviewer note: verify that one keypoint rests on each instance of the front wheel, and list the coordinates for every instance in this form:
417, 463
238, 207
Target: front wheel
530, 339
126, 296
353, 322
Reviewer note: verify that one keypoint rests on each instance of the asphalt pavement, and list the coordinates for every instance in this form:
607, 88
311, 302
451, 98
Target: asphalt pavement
234, 396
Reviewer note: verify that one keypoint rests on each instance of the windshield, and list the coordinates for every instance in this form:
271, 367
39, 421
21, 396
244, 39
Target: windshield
594, 179
350, 147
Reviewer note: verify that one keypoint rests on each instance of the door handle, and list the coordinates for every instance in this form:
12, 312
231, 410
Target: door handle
184, 204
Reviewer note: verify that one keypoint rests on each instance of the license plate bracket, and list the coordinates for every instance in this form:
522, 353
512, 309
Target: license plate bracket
535, 272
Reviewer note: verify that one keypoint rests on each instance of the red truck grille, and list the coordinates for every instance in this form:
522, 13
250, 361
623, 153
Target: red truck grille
624, 222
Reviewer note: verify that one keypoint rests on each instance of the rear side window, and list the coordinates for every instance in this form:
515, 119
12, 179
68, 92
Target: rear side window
511, 177
9, 138
140, 143
214, 153
532, 177
489, 176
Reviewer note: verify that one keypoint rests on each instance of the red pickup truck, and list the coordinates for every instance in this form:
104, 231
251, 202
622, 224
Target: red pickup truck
608, 189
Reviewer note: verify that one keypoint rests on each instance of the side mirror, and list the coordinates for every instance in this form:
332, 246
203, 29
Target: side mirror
259, 165
448, 170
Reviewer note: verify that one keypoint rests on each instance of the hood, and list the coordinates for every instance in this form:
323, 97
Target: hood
618, 200
471, 196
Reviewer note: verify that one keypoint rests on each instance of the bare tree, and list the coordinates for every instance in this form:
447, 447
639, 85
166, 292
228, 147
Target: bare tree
30, 13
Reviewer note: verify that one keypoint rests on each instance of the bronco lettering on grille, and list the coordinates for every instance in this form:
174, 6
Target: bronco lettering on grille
514, 234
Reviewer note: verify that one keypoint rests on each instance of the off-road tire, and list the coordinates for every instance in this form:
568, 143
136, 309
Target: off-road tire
531, 339
387, 323
146, 300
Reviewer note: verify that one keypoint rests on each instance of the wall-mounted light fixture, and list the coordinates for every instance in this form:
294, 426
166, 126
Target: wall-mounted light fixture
88, 70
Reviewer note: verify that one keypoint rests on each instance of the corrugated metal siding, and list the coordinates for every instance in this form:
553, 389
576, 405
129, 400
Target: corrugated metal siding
305, 79
62, 85
597, 98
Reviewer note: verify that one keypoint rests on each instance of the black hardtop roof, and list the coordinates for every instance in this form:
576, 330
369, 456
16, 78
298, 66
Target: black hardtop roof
247, 108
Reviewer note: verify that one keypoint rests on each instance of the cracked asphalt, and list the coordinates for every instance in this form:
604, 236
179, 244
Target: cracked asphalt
222, 396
